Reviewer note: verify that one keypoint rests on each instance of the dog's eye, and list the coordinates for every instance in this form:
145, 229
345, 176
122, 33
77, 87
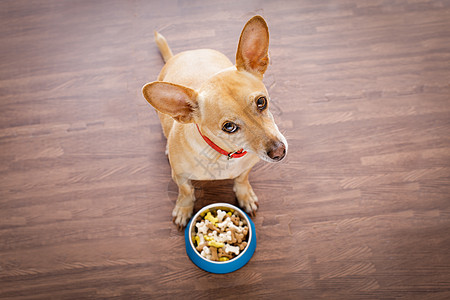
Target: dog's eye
261, 103
229, 127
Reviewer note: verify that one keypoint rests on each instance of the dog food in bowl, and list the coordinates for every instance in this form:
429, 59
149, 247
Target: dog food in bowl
227, 261
220, 235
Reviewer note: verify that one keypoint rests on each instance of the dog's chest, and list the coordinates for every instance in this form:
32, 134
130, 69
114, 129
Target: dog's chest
221, 168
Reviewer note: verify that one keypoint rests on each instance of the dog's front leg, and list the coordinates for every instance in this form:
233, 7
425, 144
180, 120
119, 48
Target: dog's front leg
185, 202
244, 193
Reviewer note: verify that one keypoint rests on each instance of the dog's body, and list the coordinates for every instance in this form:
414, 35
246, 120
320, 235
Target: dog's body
200, 95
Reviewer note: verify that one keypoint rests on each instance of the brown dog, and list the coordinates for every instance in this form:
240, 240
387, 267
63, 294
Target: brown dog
216, 116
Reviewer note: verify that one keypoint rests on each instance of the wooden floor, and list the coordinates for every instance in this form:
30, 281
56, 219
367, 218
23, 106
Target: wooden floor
359, 209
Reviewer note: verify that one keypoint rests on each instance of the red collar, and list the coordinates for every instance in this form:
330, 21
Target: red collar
230, 155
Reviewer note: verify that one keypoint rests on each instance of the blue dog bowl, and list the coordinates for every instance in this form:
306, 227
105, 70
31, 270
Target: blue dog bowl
220, 267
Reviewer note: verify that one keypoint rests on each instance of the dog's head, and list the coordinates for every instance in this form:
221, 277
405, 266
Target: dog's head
231, 107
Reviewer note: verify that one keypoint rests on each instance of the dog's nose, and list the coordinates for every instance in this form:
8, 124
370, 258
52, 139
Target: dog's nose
278, 152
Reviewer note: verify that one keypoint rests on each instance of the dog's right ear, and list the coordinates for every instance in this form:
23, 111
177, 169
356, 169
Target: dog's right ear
175, 100
253, 49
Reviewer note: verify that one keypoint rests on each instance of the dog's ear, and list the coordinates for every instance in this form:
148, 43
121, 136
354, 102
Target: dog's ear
175, 100
253, 49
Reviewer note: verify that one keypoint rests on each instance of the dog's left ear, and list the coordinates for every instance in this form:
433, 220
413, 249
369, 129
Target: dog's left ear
253, 49
175, 100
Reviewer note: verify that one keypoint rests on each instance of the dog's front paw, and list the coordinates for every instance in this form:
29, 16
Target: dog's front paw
181, 215
247, 200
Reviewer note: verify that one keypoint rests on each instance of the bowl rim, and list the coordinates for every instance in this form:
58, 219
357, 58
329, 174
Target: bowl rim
218, 205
